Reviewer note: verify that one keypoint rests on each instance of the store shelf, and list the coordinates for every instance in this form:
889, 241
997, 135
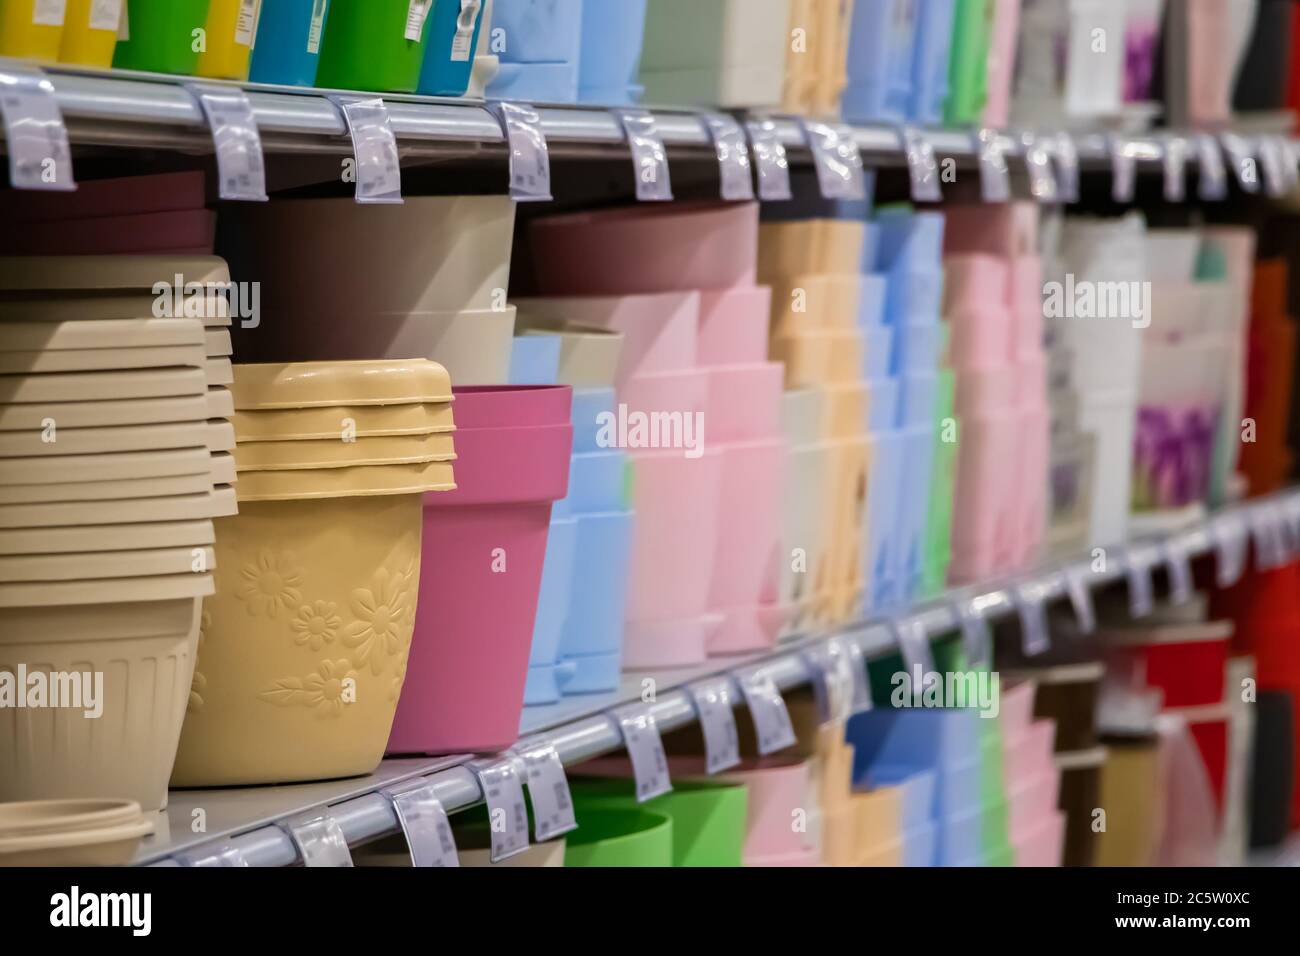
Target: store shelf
150, 110
580, 728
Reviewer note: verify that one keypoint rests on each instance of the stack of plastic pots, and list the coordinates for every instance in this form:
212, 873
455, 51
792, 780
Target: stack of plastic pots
71, 832
425, 278
881, 41
464, 693
802, 508
304, 645
105, 538
611, 52
815, 80
617, 837
1062, 76
289, 35
684, 601
158, 35
1003, 38
375, 45
1032, 782
585, 581
733, 55
540, 53
454, 28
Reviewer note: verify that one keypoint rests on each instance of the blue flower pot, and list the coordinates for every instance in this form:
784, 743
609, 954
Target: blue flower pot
446, 67
289, 35
543, 685
591, 646
535, 360
611, 50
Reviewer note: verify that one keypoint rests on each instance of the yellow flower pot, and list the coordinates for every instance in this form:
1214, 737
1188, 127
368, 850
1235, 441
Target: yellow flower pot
90, 32
30, 29
231, 28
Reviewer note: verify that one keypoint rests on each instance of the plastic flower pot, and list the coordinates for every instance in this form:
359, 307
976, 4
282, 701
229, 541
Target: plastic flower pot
103, 565
102, 386
534, 360
887, 451
107, 490
89, 33
593, 410
1043, 846
611, 50
159, 35
466, 695
733, 326
960, 838
101, 414
461, 244
877, 349
334, 385
801, 415
1028, 754
929, 738
453, 30
1032, 803
591, 645
289, 36
659, 331
330, 422
695, 246
539, 31
917, 788
30, 30
597, 482
124, 438
71, 833
802, 523
554, 596
100, 359
122, 537
744, 401
589, 356
336, 453
231, 30
708, 817
368, 46
985, 519
618, 838
808, 249
880, 65
347, 482
141, 634
126, 511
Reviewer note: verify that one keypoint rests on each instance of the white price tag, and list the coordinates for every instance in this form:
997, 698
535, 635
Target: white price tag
1123, 163
646, 748
215, 854
976, 638
1178, 565
1031, 606
1241, 158
832, 681
649, 156
1273, 158
770, 160
424, 823
105, 14
766, 705
861, 687
317, 26
838, 161
503, 791
713, 704
48, 13
246, 22
922, 167
548, 787
1213, 182
995, 177
319, 839
1266, 530
36, 138
734, 172
1175, 167
1080, 592
417, 11
914, 642
1038, 164
1141, 597
1229, 534
462, 44
1291, 509
378, 167
530, 157
1067, 167
241, 169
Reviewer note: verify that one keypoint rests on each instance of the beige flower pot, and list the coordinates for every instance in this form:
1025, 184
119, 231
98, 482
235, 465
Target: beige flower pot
269, 386
218, 436
104, 414
102, 386
105, 491
105, 564
334, 453
363, 421
128, 511
346, 482
109, 335
71, 832
118, 466
94, 360
113, 537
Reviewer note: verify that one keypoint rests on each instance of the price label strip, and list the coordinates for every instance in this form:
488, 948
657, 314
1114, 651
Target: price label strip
1080, 593
770, 160
1178, 565
36, 139
1123, 164
914, 642
319, 839
649, 156
378, 167
1067, 167
641, 737
1213, 183
1031, 606
922, 167
735, 174
1174, 161
1038, 164
241, 168
215, 854
1266, 530
976, 638
424, 823
503, 791
766, 705
1291, 508
530, 157
995, 177
713, 700
1241, 157
548, 787
1141, 593
838, 161
1228, 532
832, 681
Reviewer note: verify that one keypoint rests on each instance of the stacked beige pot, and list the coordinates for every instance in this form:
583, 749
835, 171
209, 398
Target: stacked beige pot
106, 500
304, 644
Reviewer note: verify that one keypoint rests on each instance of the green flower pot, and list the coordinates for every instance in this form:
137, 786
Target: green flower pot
161, 37
365, 48
616, 837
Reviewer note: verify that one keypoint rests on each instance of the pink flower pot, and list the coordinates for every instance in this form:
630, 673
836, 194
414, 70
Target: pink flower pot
1032, 803
652, 645
985, 515
1043, 846
983, 336
733, 326
483, 549
744, 402
986, 390
647, 248
1028, 755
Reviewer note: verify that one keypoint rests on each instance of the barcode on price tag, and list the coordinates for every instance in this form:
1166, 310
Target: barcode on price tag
462, 44
734, 173
548, 788
713, 700
767, 708
1178, 565
1141, 597
319, 839
317, 26
995, 178
241, 169
641, 738
1031, 606
1229, 534
649, 157
1080, 593
37, 140
530, 158
424, 823
417, 11
838, 161
503, 791
770, 160
378, 165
